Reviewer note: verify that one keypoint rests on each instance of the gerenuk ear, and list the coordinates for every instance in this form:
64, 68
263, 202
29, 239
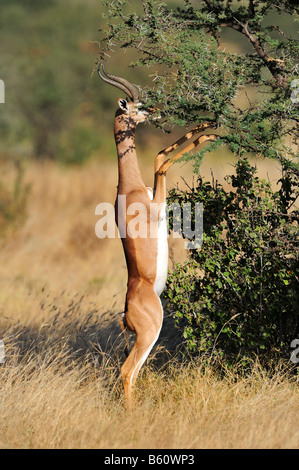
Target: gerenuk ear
123, 104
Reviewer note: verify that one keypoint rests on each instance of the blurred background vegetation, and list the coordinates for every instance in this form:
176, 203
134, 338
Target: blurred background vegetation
53, 106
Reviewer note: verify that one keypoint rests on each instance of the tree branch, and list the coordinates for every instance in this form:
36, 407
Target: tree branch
272, 64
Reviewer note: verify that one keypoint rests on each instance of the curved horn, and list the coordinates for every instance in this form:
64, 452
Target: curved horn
113, 82
119, 82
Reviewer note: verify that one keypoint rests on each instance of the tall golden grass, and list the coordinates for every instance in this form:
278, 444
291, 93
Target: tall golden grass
61, 291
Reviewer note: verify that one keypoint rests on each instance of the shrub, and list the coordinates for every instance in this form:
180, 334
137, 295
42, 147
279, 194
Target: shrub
237, 296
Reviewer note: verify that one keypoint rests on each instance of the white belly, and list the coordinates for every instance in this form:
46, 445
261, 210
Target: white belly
162, 258
162, 261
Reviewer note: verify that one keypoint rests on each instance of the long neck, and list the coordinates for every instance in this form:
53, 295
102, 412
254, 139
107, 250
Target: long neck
128, 171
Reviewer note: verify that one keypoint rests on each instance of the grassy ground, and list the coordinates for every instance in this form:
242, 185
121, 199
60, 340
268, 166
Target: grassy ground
61, 292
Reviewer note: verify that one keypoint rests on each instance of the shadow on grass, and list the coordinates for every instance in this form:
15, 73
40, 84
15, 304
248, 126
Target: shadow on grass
77, 334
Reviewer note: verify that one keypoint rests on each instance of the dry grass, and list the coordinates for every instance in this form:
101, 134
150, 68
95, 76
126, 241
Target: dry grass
56, 396
61, 291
